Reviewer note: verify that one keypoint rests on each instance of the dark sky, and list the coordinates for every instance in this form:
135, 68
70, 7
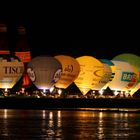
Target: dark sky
97, 48
51, 37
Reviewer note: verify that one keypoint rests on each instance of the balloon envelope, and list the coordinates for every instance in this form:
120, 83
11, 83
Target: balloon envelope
107, 72
135, 61
70, 70
11, 70
44, 71
130, 58
91, 72
123, 75
113, 70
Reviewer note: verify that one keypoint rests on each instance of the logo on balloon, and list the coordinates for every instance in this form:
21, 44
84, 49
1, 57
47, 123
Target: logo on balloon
31, 74
96, 73
127, 76
69, 68
57, 75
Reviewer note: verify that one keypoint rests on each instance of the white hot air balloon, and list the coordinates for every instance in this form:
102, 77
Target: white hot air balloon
123, 75
44, 71
11, 70
135, 61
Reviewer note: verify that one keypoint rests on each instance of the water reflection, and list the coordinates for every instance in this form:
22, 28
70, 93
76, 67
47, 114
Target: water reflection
100, 126
58, 124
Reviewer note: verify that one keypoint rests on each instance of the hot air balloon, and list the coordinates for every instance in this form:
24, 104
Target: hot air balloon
44, 71
107, 73
130, 58
70, 71
113, 70
91, 72
135, 61
11, 70
123, 75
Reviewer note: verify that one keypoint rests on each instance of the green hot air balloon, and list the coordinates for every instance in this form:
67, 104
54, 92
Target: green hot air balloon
123, 75
135, 61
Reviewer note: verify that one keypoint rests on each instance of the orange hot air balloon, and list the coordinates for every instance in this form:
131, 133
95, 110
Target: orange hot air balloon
70, 71
91, 72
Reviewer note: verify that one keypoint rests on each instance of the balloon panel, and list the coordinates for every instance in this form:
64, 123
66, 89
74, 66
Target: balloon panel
70, 70
105, 78
123, 75
91, 72
113, 70
131, 58
44, 71
136, 88
11, 70
134, 79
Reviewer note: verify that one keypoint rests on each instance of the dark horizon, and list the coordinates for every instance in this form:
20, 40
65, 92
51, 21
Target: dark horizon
76, 48
54, 38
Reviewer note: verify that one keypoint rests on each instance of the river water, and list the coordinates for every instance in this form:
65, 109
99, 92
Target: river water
68, 125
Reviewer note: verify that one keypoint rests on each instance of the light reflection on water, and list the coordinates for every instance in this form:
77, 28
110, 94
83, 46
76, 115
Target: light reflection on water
56, 124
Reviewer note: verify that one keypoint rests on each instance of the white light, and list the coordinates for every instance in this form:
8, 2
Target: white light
93, 91
44, 90
115, 93
6, 90
101, 92
59, 91
51, 89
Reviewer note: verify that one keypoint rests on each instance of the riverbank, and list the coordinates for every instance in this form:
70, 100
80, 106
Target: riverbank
49, 103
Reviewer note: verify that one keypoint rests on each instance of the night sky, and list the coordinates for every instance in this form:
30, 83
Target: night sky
53, 36
97, 48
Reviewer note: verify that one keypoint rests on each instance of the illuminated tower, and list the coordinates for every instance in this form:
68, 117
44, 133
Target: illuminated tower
3, 40
23, 52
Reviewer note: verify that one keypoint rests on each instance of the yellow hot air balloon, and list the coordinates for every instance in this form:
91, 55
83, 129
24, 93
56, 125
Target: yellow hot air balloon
113, 70
91, 72
70, 70
11, 70
105, 78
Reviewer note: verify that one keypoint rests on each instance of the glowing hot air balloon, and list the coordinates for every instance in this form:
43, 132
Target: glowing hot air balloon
133, 82
113, 70
107, 73
44, 71
123, 76
11, 70
135, 61
91, 72
70, 71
